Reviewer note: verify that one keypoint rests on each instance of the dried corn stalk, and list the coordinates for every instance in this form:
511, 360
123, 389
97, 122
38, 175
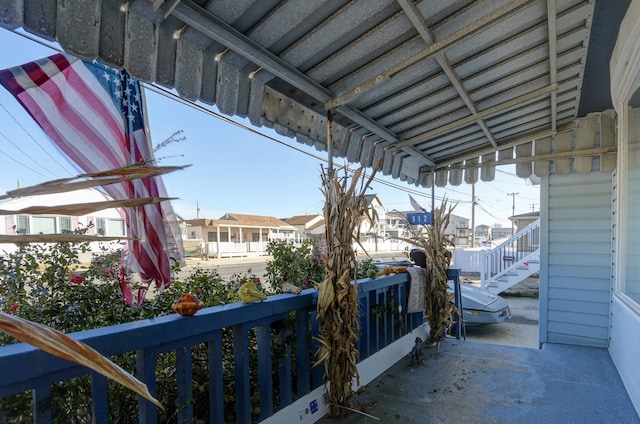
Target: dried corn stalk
344, 211
439, 309
59, 344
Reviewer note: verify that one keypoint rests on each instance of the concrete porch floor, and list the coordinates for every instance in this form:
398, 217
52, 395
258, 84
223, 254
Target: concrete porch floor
471, 382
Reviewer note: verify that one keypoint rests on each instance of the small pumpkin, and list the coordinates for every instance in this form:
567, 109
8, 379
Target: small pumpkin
187, 305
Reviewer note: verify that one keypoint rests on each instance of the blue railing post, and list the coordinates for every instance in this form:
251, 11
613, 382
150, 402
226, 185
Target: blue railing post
216, 386
99, 406
241, 365
265, 375
184, 384
146, 372
303, 346
42, 403
317, 372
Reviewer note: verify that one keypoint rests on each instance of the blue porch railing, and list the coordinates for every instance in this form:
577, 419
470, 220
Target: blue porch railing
384, 320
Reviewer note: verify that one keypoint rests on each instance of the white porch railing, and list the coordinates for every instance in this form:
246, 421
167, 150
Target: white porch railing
512, 261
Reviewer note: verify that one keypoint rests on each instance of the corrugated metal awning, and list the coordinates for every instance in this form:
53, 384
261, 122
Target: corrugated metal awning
453, 87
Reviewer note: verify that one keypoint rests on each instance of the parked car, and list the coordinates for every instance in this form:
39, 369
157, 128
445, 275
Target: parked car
479, 306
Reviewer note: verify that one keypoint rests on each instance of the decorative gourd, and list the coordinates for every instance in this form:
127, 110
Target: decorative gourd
187, 305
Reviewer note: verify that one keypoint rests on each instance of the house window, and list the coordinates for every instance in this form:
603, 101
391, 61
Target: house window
43, 225
631, 286
23, 224
110, 227
65, 225
212, 236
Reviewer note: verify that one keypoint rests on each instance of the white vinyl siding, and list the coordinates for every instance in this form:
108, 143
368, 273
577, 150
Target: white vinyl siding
578, 259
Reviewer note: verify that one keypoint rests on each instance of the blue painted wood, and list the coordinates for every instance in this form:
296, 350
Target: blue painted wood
372, 319
146, 372
99, 407
303, 350
216, 386
265, 375
42, 403
184, 384
317, 372
364, 339
25, 367
285, 383
241, 365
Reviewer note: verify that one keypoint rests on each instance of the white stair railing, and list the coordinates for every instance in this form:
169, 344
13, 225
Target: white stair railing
509, 257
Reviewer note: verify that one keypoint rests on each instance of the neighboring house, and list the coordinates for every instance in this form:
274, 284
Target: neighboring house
498, 233
369, 231
307, 227
108, 222
459, 230
237, 234
396, 224
482, 233
523, 220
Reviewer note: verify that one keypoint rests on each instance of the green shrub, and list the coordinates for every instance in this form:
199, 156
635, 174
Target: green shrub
301, 266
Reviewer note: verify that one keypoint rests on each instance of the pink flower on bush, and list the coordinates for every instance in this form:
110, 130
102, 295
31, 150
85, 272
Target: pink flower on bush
109, 272
314, 259
306, 283
77, 279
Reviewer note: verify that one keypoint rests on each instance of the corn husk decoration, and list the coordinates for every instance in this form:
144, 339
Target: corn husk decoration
439, 308
344, 211
56, 343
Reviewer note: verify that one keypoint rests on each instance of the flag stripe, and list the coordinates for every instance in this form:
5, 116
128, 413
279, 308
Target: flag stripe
65, 121
94, 114
415, 205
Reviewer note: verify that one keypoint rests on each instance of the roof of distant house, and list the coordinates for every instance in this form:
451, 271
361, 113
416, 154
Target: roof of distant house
301, 219
241, 220
526, 215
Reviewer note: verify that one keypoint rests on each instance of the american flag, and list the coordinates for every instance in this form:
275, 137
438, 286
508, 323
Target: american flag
94, 114
416, 207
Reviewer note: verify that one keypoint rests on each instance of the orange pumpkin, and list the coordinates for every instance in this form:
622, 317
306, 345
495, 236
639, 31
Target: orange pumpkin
187, 305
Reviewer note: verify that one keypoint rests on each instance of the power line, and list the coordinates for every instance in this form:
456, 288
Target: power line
34, 140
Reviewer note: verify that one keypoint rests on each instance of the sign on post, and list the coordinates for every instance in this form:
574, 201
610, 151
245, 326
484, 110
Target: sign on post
419, 218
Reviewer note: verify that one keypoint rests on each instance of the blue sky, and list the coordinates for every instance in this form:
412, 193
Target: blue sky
232, 169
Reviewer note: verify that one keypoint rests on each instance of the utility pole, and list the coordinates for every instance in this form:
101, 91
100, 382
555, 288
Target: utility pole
513, 211
473, 215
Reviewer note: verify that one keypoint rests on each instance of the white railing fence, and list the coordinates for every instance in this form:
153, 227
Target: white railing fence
511, 253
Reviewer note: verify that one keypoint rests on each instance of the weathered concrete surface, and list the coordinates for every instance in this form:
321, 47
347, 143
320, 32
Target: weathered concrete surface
469, 382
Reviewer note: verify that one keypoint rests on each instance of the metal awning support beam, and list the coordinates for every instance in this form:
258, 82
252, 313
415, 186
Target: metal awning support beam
420, 25
553, 50
480, 115
213, 27
434, 48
